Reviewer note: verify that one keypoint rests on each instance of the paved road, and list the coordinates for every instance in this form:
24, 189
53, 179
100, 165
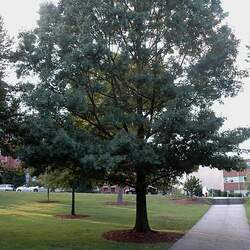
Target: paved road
223, 227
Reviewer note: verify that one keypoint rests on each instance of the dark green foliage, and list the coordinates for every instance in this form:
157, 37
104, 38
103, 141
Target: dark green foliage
15, 177
235, 195
167, 185
193, 186
139, 78
217, 193
8, 103
54, 147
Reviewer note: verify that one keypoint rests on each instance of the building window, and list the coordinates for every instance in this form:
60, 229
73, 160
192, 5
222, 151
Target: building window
235, 179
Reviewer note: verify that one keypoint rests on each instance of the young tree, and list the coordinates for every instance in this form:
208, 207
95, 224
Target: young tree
48, 180
60, 179
119, 199
68, 179
247, 183
141, 77
193, 186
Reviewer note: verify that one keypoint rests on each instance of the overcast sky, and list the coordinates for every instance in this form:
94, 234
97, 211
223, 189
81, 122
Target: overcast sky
22, 15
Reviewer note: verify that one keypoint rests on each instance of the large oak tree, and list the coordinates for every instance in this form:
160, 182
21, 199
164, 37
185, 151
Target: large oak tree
141, 76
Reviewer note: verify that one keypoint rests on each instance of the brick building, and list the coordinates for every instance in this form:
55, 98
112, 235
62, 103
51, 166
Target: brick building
9, 162
234, 182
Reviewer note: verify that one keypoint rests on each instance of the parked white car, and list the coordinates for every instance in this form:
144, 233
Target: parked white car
6, 187
31, 189
60, 190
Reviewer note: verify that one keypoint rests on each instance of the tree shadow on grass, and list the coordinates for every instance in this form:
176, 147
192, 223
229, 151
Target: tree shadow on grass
48, 202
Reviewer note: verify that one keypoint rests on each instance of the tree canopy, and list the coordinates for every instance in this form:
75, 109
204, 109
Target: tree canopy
193, 186
8, 102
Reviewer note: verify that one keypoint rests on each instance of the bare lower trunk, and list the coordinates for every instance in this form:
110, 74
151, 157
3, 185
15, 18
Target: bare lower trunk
120, 195
48, 193
73, 201
141, 224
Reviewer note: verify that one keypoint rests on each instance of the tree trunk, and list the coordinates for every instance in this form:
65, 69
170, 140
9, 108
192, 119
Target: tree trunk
73, 201
48, 194
141, 225
120, 195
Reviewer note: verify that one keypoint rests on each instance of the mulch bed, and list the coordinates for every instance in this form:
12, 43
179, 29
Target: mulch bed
190, 201
149, 237
71, 217
125, 203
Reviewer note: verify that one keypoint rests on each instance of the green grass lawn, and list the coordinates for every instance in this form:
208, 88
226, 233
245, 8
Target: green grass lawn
26, 224
247, 208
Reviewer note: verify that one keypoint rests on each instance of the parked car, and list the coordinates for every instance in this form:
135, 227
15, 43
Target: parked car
95, 190
6, 187
31, 189
61, 190
130, 191
150, 190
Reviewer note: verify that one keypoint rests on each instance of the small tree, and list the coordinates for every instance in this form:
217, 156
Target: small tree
68, 179
114, 178
53, 179
247, 183
48, 180
193, 186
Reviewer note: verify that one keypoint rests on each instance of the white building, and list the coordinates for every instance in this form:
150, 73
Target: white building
211, 178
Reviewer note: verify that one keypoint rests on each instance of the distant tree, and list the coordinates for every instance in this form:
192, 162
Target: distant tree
8, 102
114, 178
193, 186
120, 193
48, 180
141, 78
167, 185
60, 179
5, 49
247, 183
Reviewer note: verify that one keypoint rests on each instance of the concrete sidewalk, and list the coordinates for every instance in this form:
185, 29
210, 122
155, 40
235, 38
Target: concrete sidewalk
223, 227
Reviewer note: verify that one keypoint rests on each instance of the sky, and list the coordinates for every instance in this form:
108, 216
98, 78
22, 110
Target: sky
20, 15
